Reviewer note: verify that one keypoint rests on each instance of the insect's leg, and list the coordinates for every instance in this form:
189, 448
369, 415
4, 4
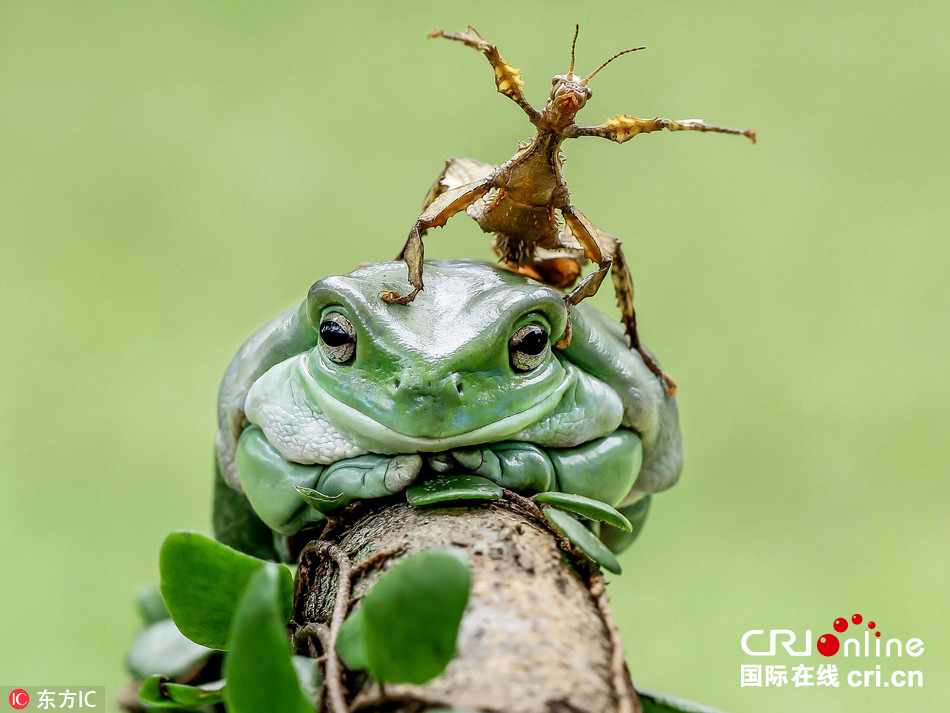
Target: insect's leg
624, 127
584, 232
507, 78
604, 249
623, 288
436, 215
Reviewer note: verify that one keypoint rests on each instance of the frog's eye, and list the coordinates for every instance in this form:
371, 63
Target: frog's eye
528, 347
337, 338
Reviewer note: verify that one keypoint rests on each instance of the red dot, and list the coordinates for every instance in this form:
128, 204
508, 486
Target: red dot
871, 625
857, 619
828, 645
841, 624
19, 699
877, 633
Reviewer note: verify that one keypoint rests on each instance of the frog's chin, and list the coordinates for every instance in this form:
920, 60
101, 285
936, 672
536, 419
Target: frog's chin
378, 438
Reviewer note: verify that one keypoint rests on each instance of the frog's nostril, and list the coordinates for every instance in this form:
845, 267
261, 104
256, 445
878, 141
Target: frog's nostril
397, 382
458, 387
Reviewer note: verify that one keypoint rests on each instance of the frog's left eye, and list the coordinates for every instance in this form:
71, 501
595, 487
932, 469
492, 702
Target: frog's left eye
528, 347
337, 338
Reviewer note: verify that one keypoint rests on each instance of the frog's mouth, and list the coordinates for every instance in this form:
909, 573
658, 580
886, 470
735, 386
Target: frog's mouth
379, 438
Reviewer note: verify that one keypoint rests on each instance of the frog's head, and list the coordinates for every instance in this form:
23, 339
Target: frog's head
469, 362
471, 355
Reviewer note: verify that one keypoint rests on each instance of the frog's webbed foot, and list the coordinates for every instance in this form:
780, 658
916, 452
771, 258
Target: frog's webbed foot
369, 476
513, 465
604, 469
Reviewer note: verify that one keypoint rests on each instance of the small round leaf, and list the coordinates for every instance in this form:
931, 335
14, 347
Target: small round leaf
162, 649
202, 581
411, 616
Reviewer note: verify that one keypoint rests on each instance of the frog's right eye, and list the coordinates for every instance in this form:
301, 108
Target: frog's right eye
528, 347
337, 338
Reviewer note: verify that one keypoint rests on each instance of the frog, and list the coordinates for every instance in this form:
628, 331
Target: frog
356, 399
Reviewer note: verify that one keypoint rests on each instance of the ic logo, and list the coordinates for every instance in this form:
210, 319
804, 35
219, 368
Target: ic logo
19, 699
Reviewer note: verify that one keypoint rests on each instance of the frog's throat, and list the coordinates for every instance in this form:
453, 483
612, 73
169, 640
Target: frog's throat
377, 438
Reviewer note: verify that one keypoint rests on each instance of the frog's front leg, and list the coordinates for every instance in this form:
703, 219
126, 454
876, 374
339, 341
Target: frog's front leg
268, 480
604, 469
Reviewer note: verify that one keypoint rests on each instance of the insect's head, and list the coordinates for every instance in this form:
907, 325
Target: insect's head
569, 92
568, 97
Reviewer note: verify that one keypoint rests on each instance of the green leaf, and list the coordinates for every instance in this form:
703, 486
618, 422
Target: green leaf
654, 702
162, 649
152, 608
583, 538
159, 692
451, 488
202, 581
258, 668
411, 616
350, 643
308, 676
586, 507
320, 501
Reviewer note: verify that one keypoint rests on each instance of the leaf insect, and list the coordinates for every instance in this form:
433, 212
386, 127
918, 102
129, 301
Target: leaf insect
518, 200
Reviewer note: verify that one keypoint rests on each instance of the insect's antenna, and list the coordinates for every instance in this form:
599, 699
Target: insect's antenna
577, 29
619, 54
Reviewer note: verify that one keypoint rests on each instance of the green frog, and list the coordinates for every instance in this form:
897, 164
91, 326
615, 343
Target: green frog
356, 398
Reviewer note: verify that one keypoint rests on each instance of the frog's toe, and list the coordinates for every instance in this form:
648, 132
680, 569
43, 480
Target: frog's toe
479, 460
469, 458
401, 472
440, 463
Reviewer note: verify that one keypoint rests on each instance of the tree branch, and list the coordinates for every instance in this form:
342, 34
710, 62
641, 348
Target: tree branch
537, 636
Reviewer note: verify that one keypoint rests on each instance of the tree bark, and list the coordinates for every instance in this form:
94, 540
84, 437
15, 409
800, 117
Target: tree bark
537, 635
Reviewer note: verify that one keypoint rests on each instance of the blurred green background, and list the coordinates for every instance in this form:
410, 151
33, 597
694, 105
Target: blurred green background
174, 174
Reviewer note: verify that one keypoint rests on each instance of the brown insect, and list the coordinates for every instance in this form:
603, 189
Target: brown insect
518, 200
